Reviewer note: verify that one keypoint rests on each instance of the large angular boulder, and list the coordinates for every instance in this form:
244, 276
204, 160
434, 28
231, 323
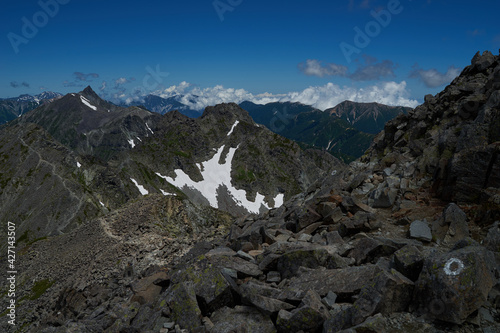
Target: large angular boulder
263, 297
409, 261
308, 317
383, 197
453, 285
389, 292
346, 281
182, 301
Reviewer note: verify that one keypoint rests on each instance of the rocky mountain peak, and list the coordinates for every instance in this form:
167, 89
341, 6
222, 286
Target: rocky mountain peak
228, 111
89, 93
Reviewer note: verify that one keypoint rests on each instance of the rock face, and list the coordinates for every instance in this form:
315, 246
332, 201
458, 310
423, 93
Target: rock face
327, 260
453, 137
453, 285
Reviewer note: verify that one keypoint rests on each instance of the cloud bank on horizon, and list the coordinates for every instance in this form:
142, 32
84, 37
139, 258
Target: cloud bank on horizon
320, 97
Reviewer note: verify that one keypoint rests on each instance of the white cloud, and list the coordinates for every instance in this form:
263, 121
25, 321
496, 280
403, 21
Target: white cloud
198, 98
432, 78
321, 97
329, 95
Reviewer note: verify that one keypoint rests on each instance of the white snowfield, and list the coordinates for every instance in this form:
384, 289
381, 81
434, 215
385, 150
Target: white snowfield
140, 187
216, 175
87, 102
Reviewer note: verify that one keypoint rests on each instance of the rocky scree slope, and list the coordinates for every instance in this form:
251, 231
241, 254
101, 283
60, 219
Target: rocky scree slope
373, 248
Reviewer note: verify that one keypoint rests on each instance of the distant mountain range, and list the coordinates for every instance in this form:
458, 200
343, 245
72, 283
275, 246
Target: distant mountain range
11, 108
345, 131
367, 117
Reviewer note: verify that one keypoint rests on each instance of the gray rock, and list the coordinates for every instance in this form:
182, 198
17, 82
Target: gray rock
389, 292
420, 230
307, 216
182, 300
333, 237
304, 237
457, 220
330, 299
383, 197
369, 249
492, 241
409, 261
309, 317
263, 297
348, 280
245, 256
243, 267
454, 285
288, 264
210, 286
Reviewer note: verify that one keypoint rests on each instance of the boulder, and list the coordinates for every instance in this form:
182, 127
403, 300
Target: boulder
383, 197
453, 285
389, 292
181, 298
420, 230
210, 286
369, 250
492, 241
409, 261
263, 297
308, 317
456, 219
346, 281
288, 264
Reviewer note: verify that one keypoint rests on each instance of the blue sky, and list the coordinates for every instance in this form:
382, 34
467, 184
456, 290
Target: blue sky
241, 49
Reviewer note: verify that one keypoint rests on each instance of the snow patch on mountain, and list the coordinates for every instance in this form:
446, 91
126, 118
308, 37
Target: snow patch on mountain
215, 175
232, 128
87, 102
140, 187
147, 126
